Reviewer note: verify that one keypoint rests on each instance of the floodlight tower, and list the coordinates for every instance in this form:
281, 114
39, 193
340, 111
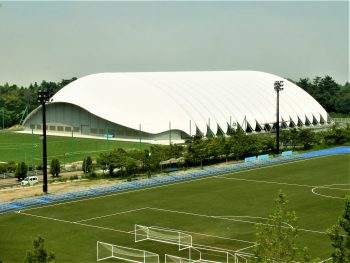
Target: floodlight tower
278, 87
43, 98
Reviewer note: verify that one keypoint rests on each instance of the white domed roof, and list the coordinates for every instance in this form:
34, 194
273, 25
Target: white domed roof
153, 99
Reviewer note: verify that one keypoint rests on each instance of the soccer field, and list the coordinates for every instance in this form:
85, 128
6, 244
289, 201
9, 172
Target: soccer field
217, 211
27, 148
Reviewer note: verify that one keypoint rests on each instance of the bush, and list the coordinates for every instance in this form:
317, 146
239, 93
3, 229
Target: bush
73, 177
21, 171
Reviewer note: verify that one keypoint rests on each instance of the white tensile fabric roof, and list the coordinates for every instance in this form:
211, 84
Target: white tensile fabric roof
153, 99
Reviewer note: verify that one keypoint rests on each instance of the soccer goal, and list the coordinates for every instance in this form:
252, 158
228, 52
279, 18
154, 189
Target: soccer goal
108, 251
163, 235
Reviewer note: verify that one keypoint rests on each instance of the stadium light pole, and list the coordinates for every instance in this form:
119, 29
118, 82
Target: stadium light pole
43, 98
278, 87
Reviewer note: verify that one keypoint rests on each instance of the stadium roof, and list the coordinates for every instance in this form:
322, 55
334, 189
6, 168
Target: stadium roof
213, 98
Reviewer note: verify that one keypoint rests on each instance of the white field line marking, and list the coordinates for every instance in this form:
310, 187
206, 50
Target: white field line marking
253, 217
239, 250
278, 164
201, 234
328, 259
118, 213
116, 230
230, 219
70, 222
170, 184
266, 182
313, 190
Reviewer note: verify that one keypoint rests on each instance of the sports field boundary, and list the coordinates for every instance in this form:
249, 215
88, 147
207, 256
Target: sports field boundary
143, 183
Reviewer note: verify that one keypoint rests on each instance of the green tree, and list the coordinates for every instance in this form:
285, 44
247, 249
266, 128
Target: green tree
39, 253
277, 239
307, 138
55, 167
87, 165
340, 235
21, 171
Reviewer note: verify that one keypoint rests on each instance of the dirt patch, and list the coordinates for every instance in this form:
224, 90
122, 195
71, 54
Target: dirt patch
8, 195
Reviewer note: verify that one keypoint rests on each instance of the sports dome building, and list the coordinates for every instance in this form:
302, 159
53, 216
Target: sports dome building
159, 105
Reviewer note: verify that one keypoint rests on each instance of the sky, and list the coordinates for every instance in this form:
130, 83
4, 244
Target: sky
60, 40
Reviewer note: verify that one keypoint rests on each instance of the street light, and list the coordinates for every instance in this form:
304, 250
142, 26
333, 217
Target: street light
43, 97
278, 87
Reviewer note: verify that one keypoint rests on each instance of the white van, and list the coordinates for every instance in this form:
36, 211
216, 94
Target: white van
31, 180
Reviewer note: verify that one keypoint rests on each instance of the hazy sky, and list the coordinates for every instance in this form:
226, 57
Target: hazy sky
56, 40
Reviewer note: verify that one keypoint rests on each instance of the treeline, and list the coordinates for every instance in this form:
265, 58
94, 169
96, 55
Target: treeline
196, 151
331, 95
199, 152
14, 99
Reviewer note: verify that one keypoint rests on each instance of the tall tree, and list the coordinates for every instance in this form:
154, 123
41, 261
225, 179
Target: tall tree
55, 167
277, 239
39, 253
21, 171
340, 235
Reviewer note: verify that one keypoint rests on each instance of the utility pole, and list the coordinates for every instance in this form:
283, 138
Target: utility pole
278, 87
43, 97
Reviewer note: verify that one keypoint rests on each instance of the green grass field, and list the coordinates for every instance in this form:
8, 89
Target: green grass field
23, 147
219, 211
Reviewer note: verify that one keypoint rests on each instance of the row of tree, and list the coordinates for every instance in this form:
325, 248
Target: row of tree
14, 99
196, 152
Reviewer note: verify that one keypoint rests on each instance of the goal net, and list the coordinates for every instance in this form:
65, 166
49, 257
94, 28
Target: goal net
163, 235
107, 251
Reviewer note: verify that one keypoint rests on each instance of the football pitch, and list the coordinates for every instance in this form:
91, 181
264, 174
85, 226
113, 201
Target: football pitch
217, 211
27, 148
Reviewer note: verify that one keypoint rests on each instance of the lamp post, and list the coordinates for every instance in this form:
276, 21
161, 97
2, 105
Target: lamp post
278, 87
43, 97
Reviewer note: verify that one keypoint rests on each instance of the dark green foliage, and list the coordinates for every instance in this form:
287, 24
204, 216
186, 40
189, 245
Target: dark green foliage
336, 135
15, 99
8, 167
87, 165
277, 238
340, 235
332, 96
55, 167
21, 171
39, 253
307, 138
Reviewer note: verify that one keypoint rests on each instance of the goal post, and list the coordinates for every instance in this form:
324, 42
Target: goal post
107, 251
141, 233
163, 235
176, 259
